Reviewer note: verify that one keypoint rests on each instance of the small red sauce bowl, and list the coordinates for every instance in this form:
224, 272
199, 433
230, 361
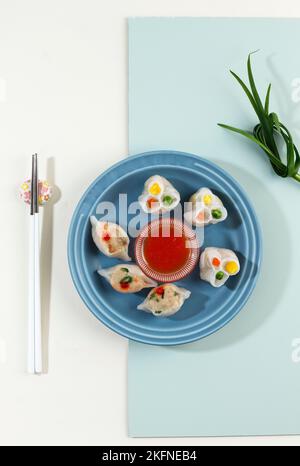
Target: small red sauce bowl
167, 250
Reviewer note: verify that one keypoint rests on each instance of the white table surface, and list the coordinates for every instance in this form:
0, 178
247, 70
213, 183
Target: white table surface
63, 94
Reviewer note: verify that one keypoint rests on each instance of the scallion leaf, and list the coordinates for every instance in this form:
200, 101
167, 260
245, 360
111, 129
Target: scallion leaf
269, 126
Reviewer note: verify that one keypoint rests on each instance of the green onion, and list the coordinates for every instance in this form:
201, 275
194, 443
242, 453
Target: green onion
269, 128
168, 200
216, 213
219, 275
124, 269
127, 279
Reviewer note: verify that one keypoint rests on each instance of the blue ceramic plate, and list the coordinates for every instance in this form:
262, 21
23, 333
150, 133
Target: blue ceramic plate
208, 309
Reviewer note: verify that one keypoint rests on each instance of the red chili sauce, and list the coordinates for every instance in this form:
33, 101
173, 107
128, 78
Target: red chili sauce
166, 254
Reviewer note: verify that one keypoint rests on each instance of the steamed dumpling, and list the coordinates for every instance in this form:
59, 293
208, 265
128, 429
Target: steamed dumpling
110, 239
127, 278
165, 300
206, 208
159, 195
217, 265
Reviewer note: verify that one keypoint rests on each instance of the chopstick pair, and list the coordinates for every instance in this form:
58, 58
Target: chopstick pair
34, 304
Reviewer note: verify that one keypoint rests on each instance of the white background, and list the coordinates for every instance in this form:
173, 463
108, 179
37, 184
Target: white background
63, 93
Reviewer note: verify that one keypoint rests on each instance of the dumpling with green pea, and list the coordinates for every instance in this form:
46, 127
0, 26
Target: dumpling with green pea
127, 278
159, 195
205, 208
217, 265
165, 300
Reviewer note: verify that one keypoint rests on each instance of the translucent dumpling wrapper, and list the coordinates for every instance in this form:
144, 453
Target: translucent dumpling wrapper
217, 265
165, 300
159, 195
127, 278
205, 208
110, 239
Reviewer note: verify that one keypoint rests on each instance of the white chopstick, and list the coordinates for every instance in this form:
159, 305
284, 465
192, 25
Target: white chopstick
37, 299
34, 301
31, 298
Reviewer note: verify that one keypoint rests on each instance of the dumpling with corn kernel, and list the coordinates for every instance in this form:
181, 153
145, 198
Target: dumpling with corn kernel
205, 208
127, 278
217, 265
165, 300
159, 195
110, 239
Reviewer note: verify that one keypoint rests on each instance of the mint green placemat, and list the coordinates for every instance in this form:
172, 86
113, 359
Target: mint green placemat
245, 379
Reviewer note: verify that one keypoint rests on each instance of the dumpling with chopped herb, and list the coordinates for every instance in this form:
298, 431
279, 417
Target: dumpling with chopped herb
127, 278
110, 239
165, 300
205, 208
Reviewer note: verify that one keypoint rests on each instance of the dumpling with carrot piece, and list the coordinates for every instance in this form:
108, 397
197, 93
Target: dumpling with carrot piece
159, 195
110, 239
205, 208
165, 300
127, 278
217, 265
